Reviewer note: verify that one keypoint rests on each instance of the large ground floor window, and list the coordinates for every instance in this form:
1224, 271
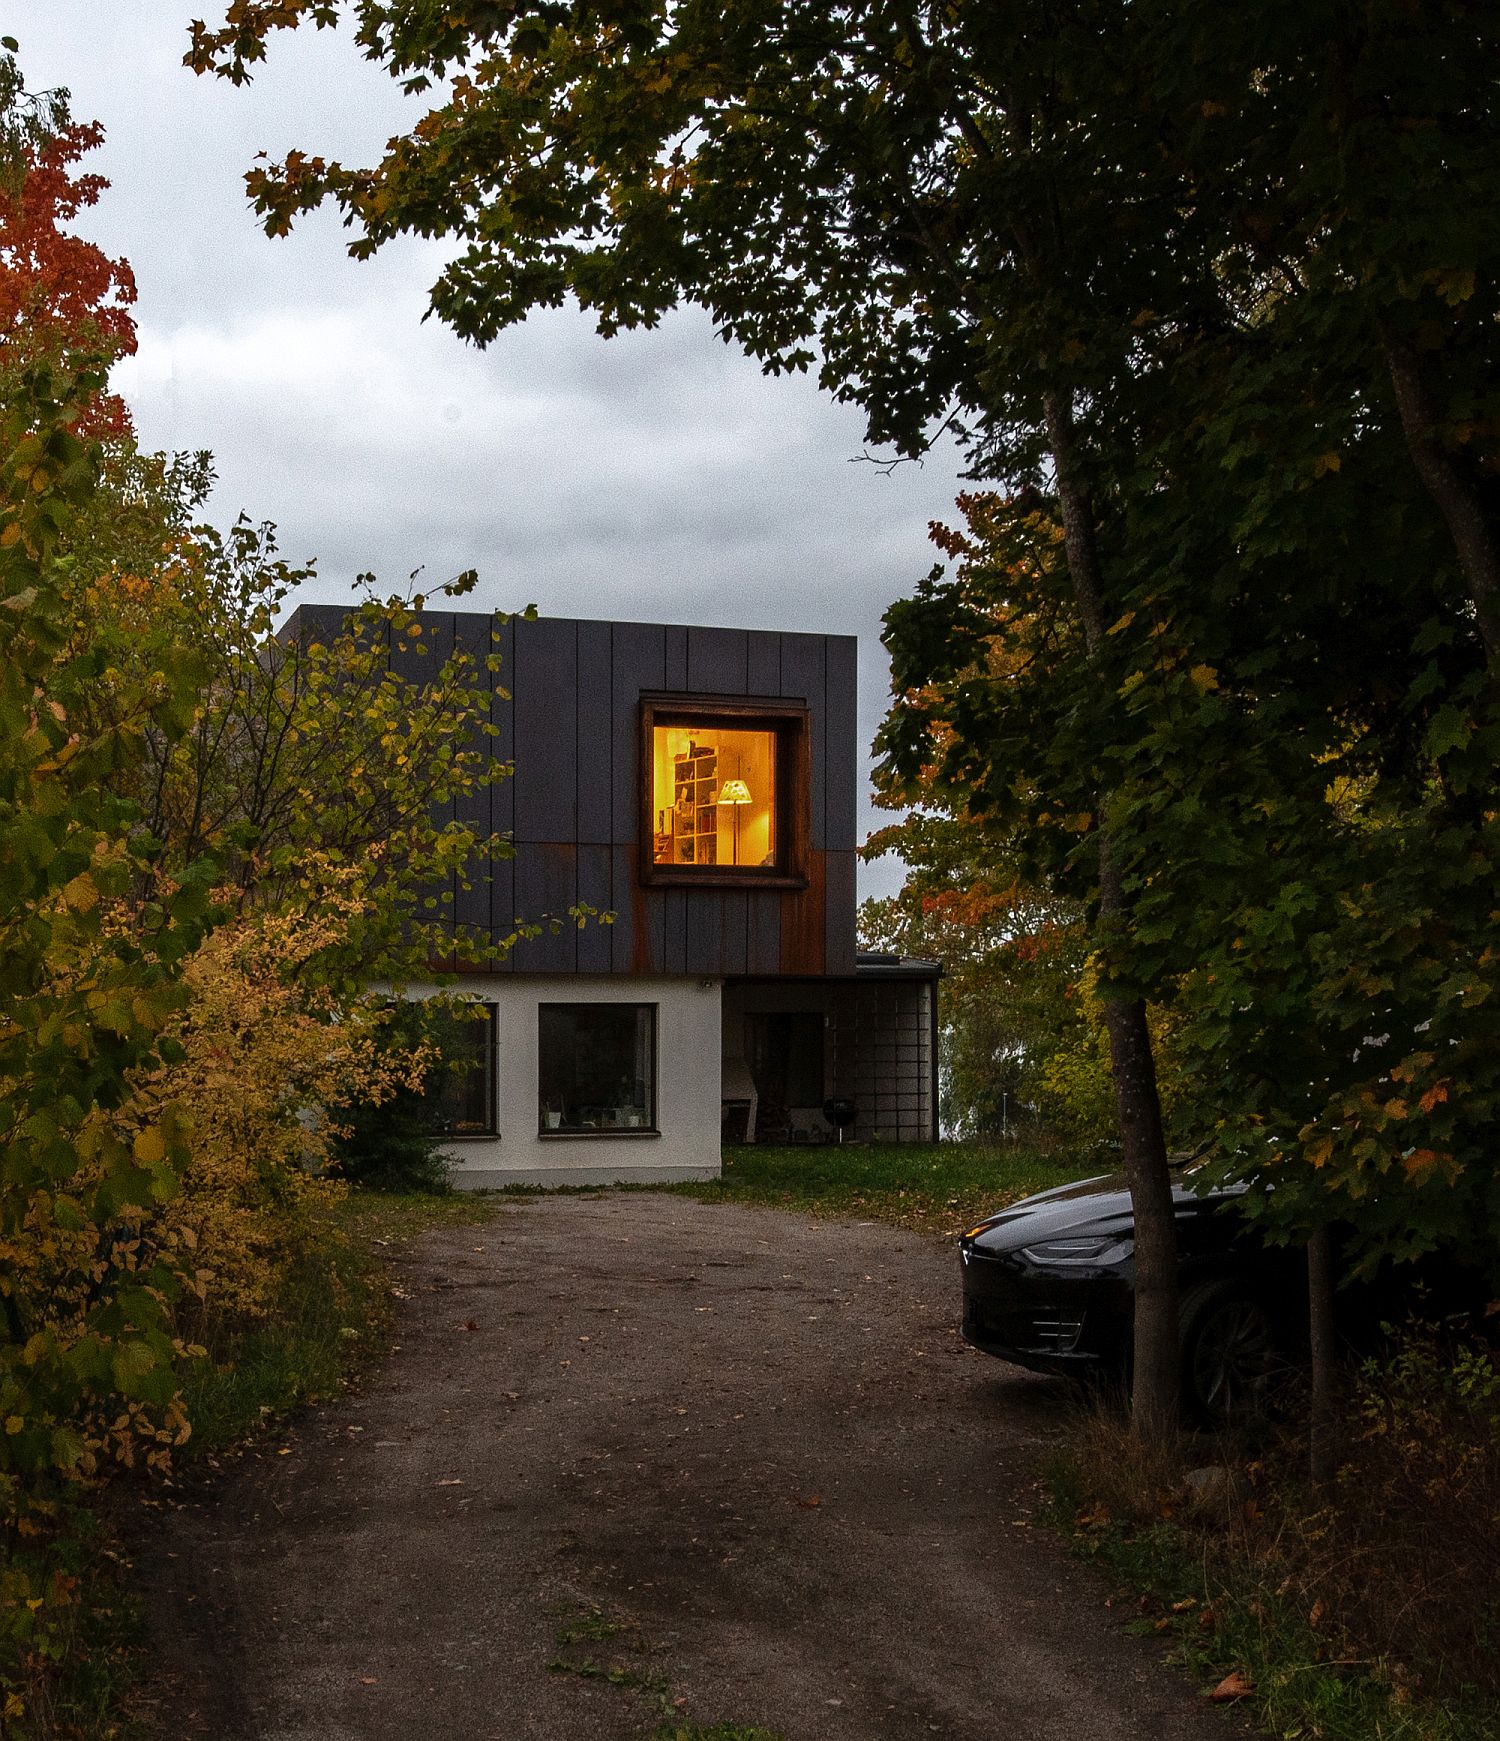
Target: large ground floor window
596, 1068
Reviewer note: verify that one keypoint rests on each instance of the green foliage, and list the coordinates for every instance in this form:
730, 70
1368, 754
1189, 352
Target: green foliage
395, 1144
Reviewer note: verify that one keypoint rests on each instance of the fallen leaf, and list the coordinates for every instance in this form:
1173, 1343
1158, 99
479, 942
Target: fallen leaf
368, 1681
469, 1324
1186, 1603
1234, 1685
811, 1500
450, 1481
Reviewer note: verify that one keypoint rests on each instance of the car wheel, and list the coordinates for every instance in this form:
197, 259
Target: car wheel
1230, 1352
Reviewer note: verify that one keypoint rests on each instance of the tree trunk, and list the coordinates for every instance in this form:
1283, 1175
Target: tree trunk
1474, 538
1323, 1349
1156, 1356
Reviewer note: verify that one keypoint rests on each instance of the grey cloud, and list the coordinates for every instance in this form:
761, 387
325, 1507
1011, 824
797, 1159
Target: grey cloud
657, 476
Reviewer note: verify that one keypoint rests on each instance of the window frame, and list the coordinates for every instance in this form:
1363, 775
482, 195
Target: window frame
585, 1133
790, 721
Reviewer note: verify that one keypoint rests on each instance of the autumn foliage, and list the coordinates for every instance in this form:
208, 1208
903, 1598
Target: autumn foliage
59, 293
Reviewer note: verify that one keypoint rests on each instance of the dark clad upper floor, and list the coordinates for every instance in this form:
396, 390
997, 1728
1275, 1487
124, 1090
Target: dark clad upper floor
568, 702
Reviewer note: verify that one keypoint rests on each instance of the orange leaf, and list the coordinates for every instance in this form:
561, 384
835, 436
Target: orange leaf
1234, 1685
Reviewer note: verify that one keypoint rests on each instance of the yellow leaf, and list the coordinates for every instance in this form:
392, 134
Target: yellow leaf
150, 1147
14, 1424
1123, 623
1204, 678
1326, 462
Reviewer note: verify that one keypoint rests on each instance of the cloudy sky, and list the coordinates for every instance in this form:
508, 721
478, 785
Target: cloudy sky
658, 476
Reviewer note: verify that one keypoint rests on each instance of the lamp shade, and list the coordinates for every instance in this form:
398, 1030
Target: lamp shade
734, 792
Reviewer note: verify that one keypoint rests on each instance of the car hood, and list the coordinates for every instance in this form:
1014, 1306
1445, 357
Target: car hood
1089, 1206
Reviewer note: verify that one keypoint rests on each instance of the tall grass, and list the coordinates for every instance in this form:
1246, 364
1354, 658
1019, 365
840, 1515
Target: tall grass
1372, 1614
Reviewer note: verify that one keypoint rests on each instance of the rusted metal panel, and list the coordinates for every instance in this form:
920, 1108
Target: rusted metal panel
802, 921
839, 912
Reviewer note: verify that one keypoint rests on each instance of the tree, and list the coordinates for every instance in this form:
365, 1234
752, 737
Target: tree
58, 292
1171, 273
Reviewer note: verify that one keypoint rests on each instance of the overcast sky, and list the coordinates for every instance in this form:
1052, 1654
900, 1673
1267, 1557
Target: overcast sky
658, 476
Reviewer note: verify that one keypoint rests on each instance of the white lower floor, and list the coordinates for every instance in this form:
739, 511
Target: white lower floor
594, 1081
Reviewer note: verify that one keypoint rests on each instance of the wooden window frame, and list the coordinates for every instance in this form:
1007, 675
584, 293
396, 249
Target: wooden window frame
792, 723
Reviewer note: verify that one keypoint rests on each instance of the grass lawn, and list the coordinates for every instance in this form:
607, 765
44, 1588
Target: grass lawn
937, 1188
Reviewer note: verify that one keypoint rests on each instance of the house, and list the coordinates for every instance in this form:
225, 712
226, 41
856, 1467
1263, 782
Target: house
701, 785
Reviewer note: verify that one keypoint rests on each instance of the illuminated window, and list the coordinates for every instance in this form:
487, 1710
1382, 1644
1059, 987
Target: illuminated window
715, 796
718, 792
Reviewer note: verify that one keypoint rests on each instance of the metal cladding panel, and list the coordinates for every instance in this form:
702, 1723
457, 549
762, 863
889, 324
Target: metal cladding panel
594, 943
503, 898
803, 678
546, 886
322, 623
416, 655
503, 714
640, 664
841, 746
471, 905
763, 932
734, 928
704, 931
675, 912
763, 662
677, 662
595, 723
545, 685
717, 662
839, 912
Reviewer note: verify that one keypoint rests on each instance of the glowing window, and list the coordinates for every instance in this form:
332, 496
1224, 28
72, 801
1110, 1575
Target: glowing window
714, 791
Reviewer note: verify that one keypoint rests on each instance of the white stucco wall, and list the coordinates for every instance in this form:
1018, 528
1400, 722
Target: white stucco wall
687, 1086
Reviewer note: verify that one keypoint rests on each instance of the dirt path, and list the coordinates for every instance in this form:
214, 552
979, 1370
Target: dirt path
739, 1461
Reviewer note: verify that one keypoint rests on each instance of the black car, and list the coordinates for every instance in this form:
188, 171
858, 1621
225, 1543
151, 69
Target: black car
1049, 1284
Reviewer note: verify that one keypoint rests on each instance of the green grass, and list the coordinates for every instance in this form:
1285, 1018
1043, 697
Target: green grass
936, 1187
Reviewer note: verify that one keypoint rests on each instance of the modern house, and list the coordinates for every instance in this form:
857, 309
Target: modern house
700, 785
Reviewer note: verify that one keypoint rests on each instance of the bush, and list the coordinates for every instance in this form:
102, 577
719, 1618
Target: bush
395, 1143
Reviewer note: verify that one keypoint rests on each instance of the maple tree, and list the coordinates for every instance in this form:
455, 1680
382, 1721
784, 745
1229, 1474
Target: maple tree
59, 293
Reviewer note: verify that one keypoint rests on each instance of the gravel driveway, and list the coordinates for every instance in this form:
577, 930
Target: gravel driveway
638, 1458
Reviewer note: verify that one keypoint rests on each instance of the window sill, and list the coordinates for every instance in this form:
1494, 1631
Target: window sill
556, 1136
686, 877
468, 1136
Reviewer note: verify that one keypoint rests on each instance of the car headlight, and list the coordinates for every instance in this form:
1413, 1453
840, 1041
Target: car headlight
1086, 1248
